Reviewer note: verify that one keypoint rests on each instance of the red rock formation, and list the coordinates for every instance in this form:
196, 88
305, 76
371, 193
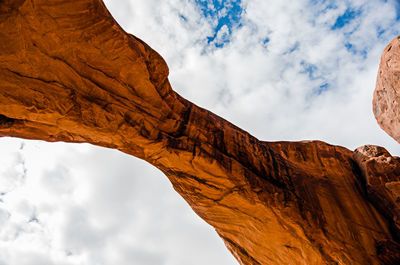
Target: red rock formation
69, 73
382, 179
386, 103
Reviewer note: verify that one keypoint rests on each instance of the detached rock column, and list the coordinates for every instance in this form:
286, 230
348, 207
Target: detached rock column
386, 102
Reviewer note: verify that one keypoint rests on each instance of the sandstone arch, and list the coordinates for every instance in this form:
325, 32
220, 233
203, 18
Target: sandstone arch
69, 73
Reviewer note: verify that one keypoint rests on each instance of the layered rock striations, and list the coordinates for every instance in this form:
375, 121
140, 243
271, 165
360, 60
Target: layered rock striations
69, 73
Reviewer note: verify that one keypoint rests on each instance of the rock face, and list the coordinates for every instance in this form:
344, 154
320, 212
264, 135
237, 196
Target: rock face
382, 179
69, 73
386, 102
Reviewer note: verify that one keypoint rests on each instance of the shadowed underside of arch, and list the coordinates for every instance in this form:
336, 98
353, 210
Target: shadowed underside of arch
68, 72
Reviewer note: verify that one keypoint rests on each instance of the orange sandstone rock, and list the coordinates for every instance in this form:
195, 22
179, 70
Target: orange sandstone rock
69, 73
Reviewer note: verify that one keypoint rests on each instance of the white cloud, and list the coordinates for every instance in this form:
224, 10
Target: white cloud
222, 35
283, 75
112, 209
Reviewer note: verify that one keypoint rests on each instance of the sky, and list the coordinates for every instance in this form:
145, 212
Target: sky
299, 71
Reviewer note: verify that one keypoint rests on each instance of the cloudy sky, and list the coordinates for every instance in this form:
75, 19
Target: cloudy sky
280, 70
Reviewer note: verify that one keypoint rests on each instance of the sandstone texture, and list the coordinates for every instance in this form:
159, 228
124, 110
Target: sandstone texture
69, 73
381, 174
386, 102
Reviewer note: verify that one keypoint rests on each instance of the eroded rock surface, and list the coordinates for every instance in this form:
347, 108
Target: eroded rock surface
382, 179
69, 73
386, 102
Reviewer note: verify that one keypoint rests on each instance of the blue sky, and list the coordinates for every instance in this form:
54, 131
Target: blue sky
348, 16
226, 12
229, 13
227, 17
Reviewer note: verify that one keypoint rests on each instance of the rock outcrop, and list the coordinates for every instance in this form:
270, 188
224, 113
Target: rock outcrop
381, 173
69, 73
386, 102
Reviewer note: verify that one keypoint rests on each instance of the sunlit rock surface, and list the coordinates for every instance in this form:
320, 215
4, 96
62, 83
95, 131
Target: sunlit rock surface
386, 103
69, 73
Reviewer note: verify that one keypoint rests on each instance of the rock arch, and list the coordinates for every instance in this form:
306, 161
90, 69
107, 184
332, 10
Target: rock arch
69, 72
